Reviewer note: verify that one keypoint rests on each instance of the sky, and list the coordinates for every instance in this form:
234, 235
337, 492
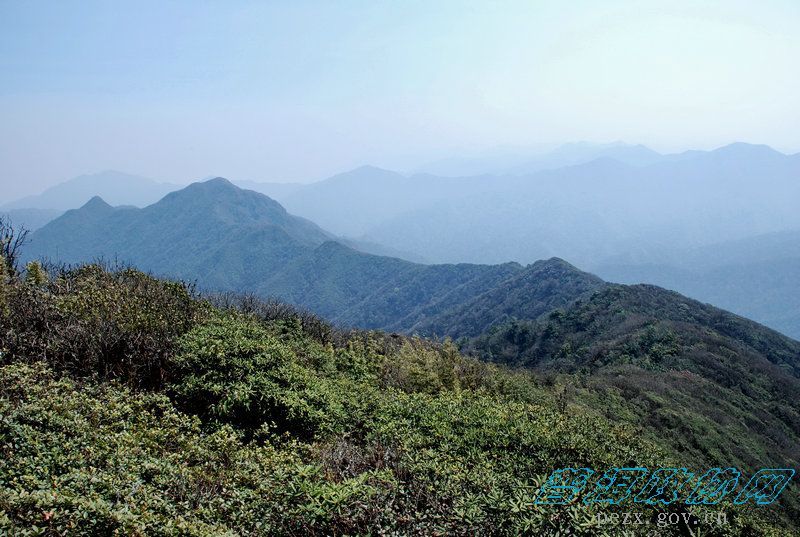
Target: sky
297, 91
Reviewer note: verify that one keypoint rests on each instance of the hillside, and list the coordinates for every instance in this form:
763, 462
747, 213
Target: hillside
229, 239
129, 406
539, 288
724, 387
755, 277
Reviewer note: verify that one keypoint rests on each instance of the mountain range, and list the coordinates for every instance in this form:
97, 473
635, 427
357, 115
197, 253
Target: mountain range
756, 276
229, 239
622, 211
516, 162
716, 388
117, 188
626, 222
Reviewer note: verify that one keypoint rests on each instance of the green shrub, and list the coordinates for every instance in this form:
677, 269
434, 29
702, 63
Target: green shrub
234, 370
91, 321
35, 274
102, 460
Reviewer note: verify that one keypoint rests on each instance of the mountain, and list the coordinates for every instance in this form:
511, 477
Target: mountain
706, 386
583, 152
529, 293
229, 239
755, 277
212, 231
357, 289
353, 202
115, 187
716, 226
363, 196
600, 209
714, 386
521, 163
30, 219
588, 212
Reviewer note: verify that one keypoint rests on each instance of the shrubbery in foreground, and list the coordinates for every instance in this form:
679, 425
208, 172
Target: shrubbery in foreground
129, 406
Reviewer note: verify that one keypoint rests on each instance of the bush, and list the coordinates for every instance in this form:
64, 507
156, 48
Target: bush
88, 321
234, 370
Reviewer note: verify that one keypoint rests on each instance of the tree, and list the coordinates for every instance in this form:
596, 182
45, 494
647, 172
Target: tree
11, 242
35, 274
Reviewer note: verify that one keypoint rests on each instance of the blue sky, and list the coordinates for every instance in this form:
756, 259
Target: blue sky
300, 90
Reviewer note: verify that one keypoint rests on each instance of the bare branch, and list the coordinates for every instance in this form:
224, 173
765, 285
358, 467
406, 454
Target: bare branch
11, 242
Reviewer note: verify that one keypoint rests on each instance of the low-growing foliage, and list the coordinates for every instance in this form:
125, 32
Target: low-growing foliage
128, 406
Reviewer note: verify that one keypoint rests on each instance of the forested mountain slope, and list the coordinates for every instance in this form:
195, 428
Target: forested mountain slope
756, 277
725, 387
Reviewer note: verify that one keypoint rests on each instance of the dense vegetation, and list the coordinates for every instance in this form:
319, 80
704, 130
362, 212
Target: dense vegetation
717, 388
538, 289
130, 406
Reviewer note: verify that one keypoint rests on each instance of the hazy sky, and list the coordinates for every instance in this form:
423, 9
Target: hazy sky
300, 90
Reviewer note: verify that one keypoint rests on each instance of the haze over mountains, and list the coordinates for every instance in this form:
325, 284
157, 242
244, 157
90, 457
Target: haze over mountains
347, 268
756, 276
229, 239
623, 211
117, 188
519, 163
586, 213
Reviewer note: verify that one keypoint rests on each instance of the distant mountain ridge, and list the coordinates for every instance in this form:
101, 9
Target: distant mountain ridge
595, 214
519, 162
117, 188
756, 277
229, 239
614, 215
568, 154
587, 211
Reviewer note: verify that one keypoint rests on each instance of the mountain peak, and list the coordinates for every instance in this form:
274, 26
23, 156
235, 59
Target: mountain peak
746, 150
369, 168
219, 194
362, 173
218, 183
554, 262
96, 203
